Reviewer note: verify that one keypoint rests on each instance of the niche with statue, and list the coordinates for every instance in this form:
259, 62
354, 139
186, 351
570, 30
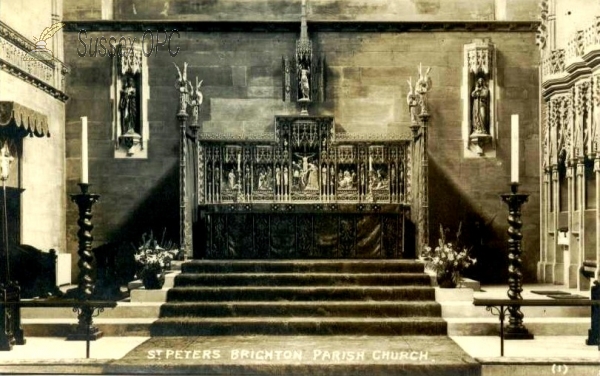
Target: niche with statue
479, 99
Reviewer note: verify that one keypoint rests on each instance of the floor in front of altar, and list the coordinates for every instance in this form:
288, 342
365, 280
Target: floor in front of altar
549, 348
547, 354
544, 355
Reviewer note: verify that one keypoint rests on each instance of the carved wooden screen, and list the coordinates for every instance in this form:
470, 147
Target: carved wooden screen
303, 192
303, 163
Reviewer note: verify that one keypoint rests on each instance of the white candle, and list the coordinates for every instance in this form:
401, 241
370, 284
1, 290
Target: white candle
514, 155
370, 163
239, 160
84, 150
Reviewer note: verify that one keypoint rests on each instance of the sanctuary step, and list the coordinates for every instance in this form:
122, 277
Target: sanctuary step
303, 297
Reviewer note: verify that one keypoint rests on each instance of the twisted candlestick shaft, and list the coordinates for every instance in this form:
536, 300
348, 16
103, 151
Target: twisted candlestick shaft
84, 202
515, 328
85, 329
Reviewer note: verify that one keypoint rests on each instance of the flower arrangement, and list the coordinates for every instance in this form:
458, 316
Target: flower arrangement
448, 259
152, 257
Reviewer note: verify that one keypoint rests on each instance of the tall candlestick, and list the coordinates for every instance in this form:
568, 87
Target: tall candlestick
84, 150
514, 155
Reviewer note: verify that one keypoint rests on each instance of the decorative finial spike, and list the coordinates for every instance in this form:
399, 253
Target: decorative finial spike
303, 26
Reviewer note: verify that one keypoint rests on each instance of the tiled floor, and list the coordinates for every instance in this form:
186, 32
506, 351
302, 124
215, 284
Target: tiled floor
541, 347
52, 348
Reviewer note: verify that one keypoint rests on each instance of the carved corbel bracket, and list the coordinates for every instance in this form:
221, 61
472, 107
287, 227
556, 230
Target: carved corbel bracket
477, 143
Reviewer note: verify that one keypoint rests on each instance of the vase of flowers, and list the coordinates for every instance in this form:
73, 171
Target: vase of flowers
448, 259
152, 260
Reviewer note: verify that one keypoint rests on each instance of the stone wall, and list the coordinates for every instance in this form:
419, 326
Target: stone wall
318, 10
41, 170
366, 91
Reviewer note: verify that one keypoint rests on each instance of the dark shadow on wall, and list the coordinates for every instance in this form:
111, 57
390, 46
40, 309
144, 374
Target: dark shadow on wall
484, 232
157, 212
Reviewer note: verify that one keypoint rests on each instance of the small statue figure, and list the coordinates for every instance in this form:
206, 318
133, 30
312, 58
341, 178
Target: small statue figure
196, 101
128, 106
285, 176
232, 180
182, 84
424, 82
422, 87
413, 102
313, 177
304, 84
480, 97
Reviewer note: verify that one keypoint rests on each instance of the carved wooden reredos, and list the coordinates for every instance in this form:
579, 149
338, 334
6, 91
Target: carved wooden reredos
304, 161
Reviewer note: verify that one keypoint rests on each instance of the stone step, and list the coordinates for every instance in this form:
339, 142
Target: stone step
550, 326
62, 327
316, 309
298, 326
123, 310
302, 266
301, 279
307, 293
458, 309
538, 326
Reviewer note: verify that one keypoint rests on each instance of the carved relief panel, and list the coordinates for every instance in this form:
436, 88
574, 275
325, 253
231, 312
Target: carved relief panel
304, 163
479, 99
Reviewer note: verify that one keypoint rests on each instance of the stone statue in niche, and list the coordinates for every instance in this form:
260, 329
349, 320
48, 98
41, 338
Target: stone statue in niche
304, 84
130, 136
480, 107
128, 107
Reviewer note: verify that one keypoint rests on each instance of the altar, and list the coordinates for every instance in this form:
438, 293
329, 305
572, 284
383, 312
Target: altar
304, 191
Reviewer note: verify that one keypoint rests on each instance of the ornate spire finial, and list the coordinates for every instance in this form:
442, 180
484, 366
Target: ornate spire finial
303, 27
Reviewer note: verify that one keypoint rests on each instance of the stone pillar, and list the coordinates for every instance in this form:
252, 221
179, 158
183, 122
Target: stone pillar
579, 251
545, 204
555, 251
597, 172
570, 280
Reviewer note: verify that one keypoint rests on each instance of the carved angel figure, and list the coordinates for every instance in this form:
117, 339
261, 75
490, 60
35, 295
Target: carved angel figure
423, 86
196, 100
424, 82
182, 84
413, 101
